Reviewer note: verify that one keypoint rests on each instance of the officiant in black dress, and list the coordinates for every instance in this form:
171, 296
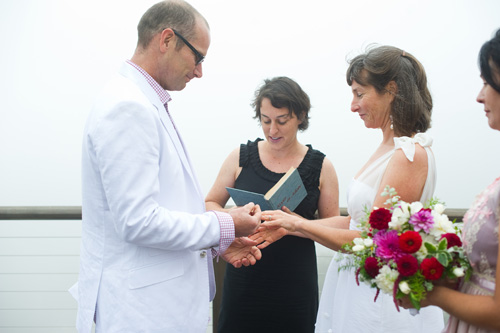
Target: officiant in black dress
280, 292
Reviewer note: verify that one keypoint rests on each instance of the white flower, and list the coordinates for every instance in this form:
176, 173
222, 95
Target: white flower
359, 244
442, 225
439, 208
357, 248
358, 241
415, 207
458, 271
400, 216
404, 287
385, 279
422, 252
368, 242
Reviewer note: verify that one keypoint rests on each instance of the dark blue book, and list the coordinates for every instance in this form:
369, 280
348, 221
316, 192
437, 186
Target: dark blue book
289, 191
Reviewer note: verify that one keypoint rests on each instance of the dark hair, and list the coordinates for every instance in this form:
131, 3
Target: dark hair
284, 92
177, 14
489, 61
412, 106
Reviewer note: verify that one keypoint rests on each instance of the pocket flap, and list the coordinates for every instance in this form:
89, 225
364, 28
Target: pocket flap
160, 272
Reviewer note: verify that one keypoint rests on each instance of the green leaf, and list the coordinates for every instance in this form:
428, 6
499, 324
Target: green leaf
443, 258
443, 244
430, 247
433, 202
416, 303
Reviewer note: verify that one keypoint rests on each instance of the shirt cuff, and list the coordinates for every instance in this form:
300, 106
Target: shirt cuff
227, 234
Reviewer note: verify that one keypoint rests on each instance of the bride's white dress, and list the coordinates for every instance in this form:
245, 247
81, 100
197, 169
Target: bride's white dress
346, 307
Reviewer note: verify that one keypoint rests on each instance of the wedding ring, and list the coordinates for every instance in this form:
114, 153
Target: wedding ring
269, 218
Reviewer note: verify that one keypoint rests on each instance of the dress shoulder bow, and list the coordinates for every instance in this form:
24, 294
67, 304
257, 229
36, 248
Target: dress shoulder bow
407, 144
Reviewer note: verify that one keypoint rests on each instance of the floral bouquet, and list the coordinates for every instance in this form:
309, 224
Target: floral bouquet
405, 249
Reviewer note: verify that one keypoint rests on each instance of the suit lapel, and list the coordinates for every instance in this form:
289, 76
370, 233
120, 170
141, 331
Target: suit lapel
131, 73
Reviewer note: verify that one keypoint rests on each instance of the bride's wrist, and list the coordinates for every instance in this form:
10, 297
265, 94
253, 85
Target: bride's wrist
300, 224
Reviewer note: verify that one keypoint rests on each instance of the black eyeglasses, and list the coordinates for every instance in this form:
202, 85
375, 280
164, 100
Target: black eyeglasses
199, 57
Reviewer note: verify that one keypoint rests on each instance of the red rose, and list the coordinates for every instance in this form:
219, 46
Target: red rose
380, 218
431, 268
410, 241
452, 239
371, 266
407, 265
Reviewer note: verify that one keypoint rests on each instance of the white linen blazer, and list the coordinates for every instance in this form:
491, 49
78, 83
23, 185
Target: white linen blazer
146, 238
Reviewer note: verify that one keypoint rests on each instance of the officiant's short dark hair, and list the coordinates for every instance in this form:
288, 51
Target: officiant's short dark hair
411, 109
284, 92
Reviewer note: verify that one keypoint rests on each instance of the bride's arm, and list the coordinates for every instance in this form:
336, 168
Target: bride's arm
406, 177
322, 231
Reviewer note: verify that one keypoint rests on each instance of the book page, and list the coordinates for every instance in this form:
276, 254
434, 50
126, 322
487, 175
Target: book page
276, 186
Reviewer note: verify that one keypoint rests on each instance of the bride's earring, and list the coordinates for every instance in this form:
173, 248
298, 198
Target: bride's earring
392, 127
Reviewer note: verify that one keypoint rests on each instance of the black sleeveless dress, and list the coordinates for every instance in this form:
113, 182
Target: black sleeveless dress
280, 292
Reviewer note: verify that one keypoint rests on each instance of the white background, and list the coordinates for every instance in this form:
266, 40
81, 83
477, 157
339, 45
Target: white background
56, 54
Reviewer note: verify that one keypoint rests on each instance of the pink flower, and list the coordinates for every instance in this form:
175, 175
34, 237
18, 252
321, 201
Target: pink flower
387, 244
422, 220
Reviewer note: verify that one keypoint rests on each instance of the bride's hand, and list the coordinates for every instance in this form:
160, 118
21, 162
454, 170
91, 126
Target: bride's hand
275, 219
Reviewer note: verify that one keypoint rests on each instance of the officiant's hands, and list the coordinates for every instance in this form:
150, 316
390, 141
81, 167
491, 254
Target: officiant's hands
242, 252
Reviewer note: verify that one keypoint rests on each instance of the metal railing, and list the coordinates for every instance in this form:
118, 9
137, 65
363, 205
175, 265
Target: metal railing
40, 212
75, 213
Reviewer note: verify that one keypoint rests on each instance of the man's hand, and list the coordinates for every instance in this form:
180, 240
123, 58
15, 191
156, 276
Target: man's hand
246, 219
265, 236
242, 252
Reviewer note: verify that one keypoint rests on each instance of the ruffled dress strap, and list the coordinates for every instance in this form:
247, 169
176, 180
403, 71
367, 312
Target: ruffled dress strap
407, 144
255, 162
245, 153
310, 167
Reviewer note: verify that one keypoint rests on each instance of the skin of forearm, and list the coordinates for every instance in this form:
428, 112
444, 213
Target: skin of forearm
339, 222
212, 205
478, 310
328, 236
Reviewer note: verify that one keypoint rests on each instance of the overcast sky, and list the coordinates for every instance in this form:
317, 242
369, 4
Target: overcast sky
57, 54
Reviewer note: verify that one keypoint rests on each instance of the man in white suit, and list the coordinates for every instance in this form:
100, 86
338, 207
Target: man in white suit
147, 241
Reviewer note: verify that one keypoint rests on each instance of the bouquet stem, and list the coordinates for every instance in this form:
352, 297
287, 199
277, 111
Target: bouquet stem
395, 292
376, 295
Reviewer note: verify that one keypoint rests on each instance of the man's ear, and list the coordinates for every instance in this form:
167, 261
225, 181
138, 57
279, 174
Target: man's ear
166, 40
